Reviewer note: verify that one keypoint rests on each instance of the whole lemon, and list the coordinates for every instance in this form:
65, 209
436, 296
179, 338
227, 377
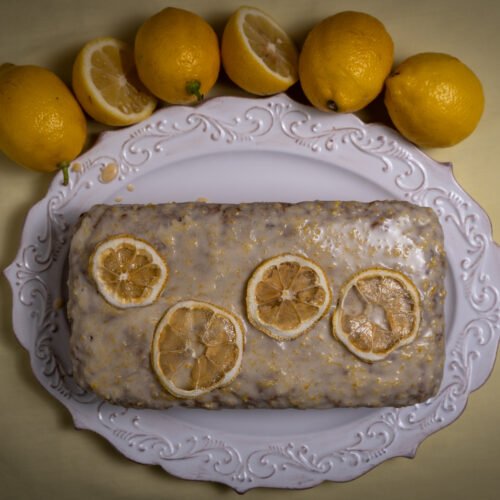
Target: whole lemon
434, 100
42, 126
177, 56
344, 61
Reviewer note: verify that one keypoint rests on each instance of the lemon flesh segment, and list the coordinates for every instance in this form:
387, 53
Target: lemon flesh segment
107, 86
378, 311
286, 296
197, 347
272, 47
128, 272
257, 53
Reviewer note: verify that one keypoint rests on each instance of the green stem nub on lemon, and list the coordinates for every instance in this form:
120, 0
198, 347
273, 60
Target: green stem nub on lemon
64, 167
193, 88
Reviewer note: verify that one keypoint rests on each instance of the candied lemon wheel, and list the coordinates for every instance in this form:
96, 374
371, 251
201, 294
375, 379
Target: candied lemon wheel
128, 272
377, 312
197, 347
286, 296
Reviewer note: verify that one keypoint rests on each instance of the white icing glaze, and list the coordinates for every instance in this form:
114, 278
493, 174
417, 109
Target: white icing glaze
211, 251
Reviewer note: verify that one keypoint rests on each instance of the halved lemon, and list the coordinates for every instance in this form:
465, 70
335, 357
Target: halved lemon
286, 296
128, 271
257, 54
196, 348
377, 312
106, 84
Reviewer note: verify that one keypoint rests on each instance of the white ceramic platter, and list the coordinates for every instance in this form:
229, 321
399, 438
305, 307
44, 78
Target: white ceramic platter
235, 150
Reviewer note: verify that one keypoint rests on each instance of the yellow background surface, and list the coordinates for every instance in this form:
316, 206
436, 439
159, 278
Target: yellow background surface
41, 454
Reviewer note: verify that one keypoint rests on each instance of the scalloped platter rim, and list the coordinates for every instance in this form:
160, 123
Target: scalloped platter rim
239, 149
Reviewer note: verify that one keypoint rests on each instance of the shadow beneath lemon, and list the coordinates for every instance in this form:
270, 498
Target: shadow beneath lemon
376, 112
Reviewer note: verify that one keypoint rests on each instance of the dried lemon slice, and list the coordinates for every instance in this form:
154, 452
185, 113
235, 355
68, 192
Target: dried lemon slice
286, 296
128, 271
197, 347
377, 312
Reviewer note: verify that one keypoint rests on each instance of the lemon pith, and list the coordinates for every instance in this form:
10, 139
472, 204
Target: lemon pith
197, 347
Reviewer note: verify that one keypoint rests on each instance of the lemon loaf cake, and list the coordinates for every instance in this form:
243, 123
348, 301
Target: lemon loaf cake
261, 305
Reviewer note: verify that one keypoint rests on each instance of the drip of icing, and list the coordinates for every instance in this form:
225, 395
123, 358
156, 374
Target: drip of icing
108, 172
